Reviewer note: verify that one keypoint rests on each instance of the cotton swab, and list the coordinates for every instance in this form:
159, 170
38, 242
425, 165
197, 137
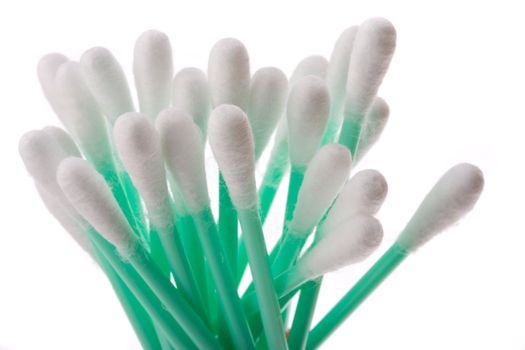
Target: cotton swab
46, 71
349, 243
323, 179
107, 82
362, 195
371, 54
231, 141
311, 66
278, 164
184, 152
267, 101
42, 152
88, 193
139, 148
229, 77
315, 65
307, 112
336, 77
153, 71
375, 122
191, 93
454, 195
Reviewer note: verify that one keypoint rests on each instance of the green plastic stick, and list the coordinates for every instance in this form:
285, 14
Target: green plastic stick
194, 253
259, 266
361, 290
171, 298
228, 227
169, 326
303, 314
212, 246
182, 272
276, 169
137, 316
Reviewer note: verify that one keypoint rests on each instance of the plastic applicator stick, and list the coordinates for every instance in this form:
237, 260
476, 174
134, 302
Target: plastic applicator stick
184, 154
453, 196
232, 144
87, 191
229, 78
140, 149
363, 194
42, 151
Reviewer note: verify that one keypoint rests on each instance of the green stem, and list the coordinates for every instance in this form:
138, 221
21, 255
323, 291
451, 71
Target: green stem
361, 290
137, 316
260, 268
228, 227
169, 326
182, 273
194, 253
214, 251
303, 314
276, 169
296, 180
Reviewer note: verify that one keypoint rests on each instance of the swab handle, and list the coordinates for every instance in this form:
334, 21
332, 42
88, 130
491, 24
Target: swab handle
361, 290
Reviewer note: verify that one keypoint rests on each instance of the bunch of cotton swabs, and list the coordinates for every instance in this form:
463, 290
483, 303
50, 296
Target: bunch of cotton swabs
130, 187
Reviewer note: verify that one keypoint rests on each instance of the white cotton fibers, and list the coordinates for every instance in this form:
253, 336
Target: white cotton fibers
183, 149
107, 82
350, 242
229, 73
307, 113
375, 123
267, 101
231, 141
90, 195
323, 179
153, 71
372, 52
138, 146
453, 196
311, 65
191, 93
363, 194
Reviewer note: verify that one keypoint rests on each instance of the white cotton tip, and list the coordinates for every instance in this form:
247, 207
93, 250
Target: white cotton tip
229, 73
323, 179
363, 194
41, 155
80, 114
232, 144
63, 139
153, 71
191, 93
307, 113
268, 93
371, 55
138, 146
183, 149
107, 82
337, 71
90, 195
46, 71
69, 220
453, 196
375, 123
312, 65
350, 242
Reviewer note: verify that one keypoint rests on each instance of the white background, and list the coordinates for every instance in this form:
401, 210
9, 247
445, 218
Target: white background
455, 88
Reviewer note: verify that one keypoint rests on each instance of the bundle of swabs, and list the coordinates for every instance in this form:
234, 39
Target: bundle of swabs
130, 187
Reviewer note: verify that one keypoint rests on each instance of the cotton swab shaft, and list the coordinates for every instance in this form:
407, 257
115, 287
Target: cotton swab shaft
178, 337
361, 290
137, 315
